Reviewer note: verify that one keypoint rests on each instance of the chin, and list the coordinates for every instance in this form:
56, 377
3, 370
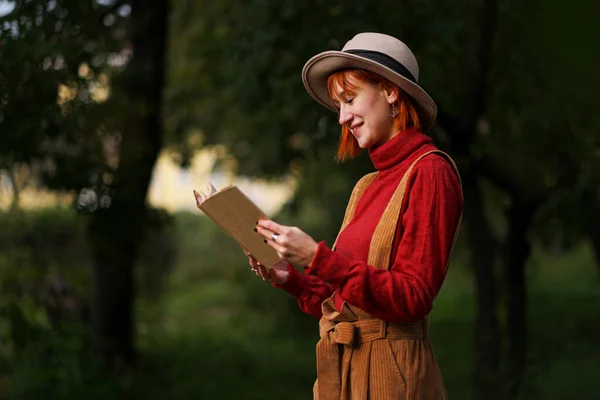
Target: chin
365, 144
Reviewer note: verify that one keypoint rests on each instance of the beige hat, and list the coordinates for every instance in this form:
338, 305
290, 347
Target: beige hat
383, 54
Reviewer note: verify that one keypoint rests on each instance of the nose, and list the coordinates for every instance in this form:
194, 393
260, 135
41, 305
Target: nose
344, 117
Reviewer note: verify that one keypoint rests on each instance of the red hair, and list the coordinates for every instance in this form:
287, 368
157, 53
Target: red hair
407, 111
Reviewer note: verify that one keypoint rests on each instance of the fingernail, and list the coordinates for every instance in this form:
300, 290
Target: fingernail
265, 240
255, 230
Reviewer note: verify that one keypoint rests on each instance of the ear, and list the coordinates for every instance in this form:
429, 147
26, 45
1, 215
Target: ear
390, 95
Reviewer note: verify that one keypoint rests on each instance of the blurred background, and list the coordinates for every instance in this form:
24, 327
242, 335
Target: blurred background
112, 284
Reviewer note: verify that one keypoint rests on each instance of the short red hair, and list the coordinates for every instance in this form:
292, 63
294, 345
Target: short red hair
407, 111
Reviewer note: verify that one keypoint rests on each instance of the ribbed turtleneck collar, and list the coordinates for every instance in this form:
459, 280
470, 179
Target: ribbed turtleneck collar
397, 149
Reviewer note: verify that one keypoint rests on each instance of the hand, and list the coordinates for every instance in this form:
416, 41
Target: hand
277, 274
292, 244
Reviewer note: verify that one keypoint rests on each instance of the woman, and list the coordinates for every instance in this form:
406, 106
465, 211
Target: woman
374, 288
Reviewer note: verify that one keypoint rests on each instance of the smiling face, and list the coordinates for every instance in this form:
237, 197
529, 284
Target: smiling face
365, 110
365, 102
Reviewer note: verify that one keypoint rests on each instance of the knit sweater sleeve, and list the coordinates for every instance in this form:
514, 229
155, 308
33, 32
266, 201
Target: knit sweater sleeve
424, 239
310, 291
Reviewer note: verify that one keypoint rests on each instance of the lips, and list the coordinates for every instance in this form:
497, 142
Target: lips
355, 128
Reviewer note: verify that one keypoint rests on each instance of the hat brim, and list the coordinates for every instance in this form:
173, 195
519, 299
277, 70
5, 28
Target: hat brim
318, 68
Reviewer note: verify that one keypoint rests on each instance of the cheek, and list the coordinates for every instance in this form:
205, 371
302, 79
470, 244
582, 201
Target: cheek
377, 109
378, 116
372, 103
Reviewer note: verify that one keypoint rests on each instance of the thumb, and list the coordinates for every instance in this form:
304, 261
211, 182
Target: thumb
282, 265
272, 273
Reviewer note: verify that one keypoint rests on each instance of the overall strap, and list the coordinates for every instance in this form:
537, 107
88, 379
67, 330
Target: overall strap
381, 243
357, 193
383, 237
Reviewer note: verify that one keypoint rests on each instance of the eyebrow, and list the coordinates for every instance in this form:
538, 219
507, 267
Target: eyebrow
341, 95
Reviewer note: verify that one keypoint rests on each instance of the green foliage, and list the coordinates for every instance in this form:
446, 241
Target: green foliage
55, 57
234, 80
45, 281
37, 245
219, 331
37, 250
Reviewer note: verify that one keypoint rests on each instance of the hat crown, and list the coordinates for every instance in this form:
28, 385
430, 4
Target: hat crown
387, 45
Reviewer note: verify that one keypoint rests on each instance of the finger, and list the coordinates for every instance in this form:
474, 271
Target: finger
264, 273
281, 238
254, 261
260, 273
265, 232
271, 225
281, 250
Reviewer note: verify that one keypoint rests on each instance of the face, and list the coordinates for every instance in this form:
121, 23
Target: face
366, 112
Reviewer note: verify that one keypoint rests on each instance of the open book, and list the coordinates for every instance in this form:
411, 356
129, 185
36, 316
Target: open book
237, 215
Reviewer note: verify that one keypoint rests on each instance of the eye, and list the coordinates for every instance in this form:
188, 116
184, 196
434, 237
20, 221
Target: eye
349, 101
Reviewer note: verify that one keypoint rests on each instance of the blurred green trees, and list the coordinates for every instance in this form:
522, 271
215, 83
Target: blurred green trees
91, 91
57, 59
81, 107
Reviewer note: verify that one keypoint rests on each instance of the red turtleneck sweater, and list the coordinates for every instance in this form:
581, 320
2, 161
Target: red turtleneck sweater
422, 243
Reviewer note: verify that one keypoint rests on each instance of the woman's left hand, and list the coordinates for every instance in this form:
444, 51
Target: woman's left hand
292, 244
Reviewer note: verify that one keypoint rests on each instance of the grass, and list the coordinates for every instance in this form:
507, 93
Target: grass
218, 332
227, 335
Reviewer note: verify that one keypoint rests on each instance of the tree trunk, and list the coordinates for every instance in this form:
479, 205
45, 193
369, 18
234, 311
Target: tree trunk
518, 248
482, 249
592, 205
594, 237
16, 200
115, 233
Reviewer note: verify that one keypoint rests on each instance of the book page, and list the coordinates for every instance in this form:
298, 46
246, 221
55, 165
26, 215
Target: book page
202, 196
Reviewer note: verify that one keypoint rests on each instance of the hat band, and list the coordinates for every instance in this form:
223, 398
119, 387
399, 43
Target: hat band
384, 60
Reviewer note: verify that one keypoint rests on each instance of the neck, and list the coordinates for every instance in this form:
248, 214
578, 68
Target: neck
397, 148
392, 133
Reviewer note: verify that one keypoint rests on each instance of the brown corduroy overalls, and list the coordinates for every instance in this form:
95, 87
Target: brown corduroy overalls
363, 358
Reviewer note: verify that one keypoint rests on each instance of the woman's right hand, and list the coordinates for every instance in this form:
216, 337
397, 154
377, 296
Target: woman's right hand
277, 274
